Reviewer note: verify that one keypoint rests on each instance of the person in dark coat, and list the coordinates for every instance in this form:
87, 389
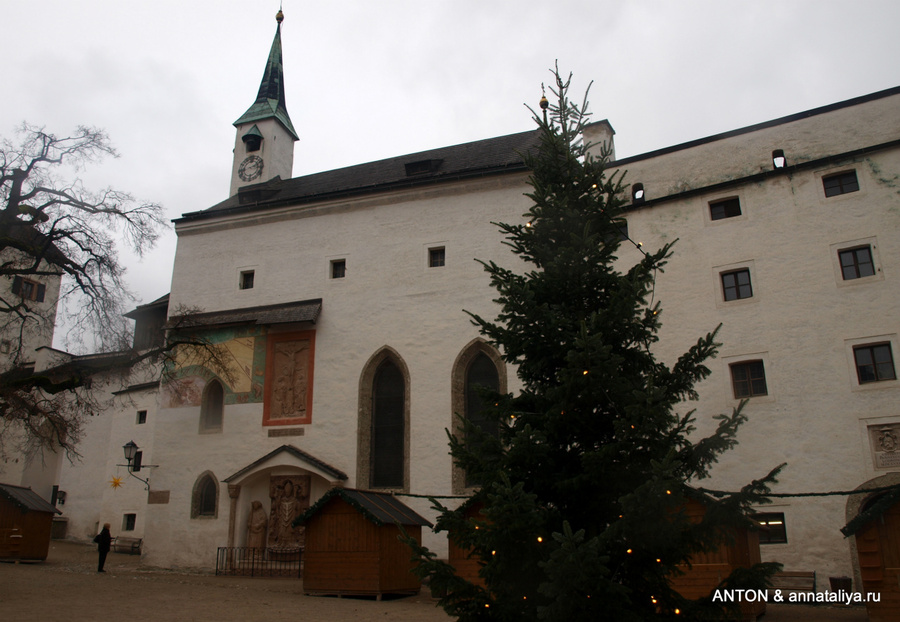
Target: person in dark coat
103, 540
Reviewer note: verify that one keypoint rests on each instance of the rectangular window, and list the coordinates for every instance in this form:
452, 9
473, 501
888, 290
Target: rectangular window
246, 281
771, 528
726, 208
141, 417
874, 363
436, 257
736, 285
840, 183
856, 263
338, 268
28, 289
748, 379
128, 522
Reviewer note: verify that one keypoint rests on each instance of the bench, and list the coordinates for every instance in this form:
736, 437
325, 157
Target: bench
132, 546
794, 581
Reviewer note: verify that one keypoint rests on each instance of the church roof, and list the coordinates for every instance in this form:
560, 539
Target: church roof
281, 313
270, 101
503, 154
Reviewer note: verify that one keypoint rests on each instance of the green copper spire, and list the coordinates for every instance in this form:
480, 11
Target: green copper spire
270, 99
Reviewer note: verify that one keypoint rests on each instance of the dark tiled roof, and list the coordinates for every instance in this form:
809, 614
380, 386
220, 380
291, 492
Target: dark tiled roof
284, 313
26, 238
297, 453
379, 507
484, 157
160, 303
26, 499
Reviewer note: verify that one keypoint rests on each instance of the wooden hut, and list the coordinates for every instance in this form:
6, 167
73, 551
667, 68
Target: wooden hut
466, 566
25, 524
877, 531
707, 570
353, 546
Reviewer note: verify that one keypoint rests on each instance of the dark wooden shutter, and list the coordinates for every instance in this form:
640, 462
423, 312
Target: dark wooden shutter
41, 288
17, 285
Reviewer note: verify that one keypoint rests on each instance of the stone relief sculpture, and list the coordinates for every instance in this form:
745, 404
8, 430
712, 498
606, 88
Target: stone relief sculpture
291, 378
885, 445
257, 526
290, 498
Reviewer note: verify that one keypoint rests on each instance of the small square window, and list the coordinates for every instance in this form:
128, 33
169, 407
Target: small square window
128, 522
856, 263
338, 268
748, 379
874, 363
726, 208
436, 257
840, 183
736, 285
771, 528
246, 281
5, 347
141, 417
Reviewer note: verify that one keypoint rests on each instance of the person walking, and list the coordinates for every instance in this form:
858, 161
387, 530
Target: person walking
103, 540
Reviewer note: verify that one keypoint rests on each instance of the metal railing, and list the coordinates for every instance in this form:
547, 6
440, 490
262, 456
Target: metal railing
241, 561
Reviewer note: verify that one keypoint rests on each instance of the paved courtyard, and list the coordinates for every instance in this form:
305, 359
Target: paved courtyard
67, 588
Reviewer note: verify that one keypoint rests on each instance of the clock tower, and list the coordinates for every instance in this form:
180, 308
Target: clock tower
264, 144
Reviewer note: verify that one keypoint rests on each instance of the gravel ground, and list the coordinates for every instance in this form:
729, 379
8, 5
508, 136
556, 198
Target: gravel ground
67, 588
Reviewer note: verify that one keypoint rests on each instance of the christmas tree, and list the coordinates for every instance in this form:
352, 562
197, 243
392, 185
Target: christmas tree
585, 473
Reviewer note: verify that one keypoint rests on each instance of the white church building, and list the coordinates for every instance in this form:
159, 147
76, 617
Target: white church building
339, 298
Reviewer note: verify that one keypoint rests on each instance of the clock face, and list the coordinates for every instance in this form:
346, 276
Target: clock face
251, 168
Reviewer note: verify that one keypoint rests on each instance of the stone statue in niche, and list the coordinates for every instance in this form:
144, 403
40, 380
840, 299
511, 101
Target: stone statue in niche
291, 379
290, 498
257, 526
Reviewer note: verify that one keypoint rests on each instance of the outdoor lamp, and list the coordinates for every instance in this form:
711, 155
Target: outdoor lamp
130, 450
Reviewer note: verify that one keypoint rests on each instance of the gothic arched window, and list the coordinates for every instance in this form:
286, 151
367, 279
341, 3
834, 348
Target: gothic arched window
388, 399
212, 406
478, 365
383, 458
205, 497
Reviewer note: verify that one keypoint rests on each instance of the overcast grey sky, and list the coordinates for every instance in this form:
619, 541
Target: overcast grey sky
370, 79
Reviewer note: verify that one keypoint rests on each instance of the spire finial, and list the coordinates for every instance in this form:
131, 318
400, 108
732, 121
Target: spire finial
279, 17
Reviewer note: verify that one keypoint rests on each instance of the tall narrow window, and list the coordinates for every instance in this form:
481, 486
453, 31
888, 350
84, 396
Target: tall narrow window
338, 268
482, 374
246, 279
388, 434
205, 497
212, 407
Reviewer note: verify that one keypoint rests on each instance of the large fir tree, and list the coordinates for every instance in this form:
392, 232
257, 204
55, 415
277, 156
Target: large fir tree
584, 480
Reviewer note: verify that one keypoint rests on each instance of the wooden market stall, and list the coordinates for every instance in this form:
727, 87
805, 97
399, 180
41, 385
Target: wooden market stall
353, 546
877, 532
25, 524
707, 570
467, 567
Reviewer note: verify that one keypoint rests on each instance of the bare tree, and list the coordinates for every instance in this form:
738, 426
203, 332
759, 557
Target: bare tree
58, 236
